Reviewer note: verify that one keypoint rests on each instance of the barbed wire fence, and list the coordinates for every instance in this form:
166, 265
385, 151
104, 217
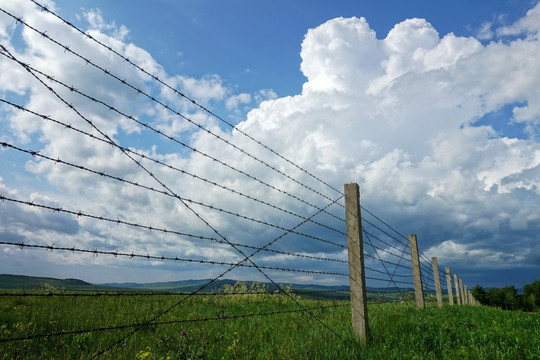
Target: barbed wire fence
318, 205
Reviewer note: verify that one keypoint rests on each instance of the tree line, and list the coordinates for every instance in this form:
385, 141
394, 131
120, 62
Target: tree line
508, 298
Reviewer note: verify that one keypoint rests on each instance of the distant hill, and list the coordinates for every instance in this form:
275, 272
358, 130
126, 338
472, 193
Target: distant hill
192, 285
21, 282
181, 285
33, 282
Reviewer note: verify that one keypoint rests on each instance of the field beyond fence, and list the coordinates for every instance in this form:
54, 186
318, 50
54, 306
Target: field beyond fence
210, 328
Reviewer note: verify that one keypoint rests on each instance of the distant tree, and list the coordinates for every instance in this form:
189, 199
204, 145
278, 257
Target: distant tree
479, 294
494, 297
509, 296
532, 292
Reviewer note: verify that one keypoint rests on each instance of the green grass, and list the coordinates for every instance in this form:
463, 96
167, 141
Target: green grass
399, 331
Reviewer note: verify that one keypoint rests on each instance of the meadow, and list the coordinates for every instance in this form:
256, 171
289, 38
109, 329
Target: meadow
255, 326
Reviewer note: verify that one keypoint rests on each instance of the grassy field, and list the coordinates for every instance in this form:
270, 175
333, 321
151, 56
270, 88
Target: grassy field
399, 331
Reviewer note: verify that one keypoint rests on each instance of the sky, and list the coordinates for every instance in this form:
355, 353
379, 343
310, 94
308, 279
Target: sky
432, 108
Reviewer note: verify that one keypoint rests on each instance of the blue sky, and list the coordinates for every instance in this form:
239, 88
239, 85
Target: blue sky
256, 44
431, 107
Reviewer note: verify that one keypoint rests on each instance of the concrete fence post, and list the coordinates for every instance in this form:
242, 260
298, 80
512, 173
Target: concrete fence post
449, 286
417, 275
357, 276
465, 295
435, 266
456, 285
461, 293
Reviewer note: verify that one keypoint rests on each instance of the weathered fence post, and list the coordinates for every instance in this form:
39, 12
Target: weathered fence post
357, 276
456, 285
437, 280
466, 295
449, 286
417, 275
461, 292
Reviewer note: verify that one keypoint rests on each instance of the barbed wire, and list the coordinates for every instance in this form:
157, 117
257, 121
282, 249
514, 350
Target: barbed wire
171, 193
118, 341
399, 256
427, 274
168, 191
169, 322
388, 226
123, 81
106, 72
421, 254
153, 76
386, 272
165, 193
386, 261
112, 293
364, 221
30, 69
195, 291
389, 281
162, 230
386, 269
183, 171
96, 252
67, 49
428, 271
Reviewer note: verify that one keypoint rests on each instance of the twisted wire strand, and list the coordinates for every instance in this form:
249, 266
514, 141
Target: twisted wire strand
162, 230
116, 253
165, 193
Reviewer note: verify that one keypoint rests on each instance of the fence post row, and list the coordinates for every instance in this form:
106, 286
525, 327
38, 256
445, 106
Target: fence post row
417, 275
435, 266
357, 276
449, 286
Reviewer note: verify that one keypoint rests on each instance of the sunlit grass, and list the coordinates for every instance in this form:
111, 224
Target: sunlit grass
398, 331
